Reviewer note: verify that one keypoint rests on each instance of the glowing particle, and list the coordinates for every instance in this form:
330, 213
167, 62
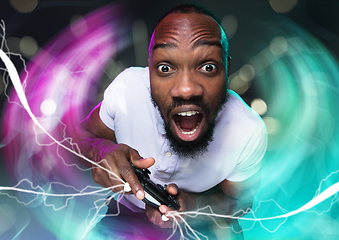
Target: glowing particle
14, 77
283, 6
48, 107
272, 124
259, 106
25, 6
78, 26
247, 72
230, 23
164, 218
127, 187
278, 46
28, 46
238, 85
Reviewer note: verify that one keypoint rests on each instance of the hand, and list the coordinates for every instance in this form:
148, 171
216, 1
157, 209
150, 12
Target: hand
118, 158
185, 200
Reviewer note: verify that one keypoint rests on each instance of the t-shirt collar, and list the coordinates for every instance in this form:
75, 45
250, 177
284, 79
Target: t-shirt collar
159, 122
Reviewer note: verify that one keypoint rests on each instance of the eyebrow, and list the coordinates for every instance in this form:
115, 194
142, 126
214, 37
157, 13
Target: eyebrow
164, 45
206, 42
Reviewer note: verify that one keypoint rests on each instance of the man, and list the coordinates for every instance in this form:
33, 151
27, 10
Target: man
178, 119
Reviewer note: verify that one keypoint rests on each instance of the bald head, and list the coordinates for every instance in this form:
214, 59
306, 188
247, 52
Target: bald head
188, 9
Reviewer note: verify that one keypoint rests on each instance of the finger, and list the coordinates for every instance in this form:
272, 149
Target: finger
164, 224
148, 212
151, 213
127, 173
172, 189
106, 179
161, 220
140, 162
157, 218
99, 175
164, 209
144, 162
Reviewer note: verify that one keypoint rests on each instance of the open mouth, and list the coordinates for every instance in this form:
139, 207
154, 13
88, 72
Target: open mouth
188, 124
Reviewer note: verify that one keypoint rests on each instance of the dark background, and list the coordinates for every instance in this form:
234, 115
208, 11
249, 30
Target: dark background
319, 17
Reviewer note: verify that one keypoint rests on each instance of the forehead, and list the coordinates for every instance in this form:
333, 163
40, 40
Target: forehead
186, 28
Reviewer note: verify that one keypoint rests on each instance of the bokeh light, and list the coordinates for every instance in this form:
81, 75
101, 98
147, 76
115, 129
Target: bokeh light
287, 70
283, 6
240, 81
230, 24
259, 106
24, 6
80, 28
298, 79
61, 85
28, 46
278, 46
247, 72
238, 85
48, 107
272, 125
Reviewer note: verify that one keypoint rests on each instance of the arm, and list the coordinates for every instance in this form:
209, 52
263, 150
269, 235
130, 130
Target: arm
98, 142
232, 196
228, 200
89, 132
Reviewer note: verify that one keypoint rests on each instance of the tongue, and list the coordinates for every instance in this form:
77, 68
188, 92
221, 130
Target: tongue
188, 123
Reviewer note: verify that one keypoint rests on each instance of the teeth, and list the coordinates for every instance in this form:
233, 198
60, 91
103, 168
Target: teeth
188, 113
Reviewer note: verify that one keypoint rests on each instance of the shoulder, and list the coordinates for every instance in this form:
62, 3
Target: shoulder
238, 125
135, 72
241, 136
130, 86
131, 78
237, 113
128, 90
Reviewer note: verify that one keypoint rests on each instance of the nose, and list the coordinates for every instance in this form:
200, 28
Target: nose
186, 86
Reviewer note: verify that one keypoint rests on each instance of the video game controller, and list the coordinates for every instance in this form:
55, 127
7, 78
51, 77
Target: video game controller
155, 194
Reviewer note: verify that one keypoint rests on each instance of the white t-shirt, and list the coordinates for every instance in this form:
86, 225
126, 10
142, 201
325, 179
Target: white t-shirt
235, 153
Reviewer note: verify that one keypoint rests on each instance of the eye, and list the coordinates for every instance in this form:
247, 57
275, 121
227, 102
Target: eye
208, 68
165, 68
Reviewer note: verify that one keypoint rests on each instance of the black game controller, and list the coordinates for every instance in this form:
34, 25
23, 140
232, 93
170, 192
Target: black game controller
155, 194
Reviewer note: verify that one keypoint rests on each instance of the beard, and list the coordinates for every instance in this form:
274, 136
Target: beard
196, 148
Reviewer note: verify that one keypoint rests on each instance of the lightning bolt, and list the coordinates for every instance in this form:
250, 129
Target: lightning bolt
183, 228
14, 76
19, 88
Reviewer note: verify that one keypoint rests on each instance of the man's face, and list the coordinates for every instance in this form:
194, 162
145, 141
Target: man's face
188, 77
